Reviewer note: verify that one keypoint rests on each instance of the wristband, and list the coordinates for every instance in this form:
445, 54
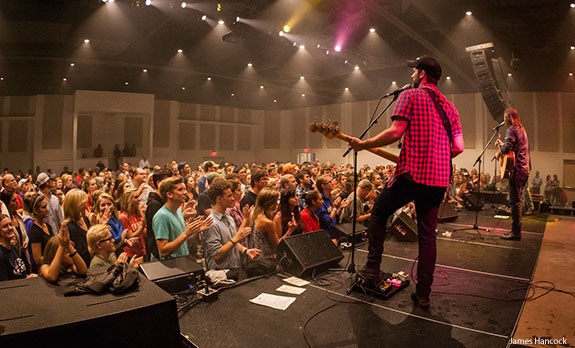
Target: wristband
74, 253
234, 243
245, 251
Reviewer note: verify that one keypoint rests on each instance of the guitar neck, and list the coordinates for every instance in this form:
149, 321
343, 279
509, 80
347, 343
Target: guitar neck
380, 152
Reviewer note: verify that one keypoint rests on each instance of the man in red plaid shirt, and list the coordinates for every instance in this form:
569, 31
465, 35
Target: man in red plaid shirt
422, 174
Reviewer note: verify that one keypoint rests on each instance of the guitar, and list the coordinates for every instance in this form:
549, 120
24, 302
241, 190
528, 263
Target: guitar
506, 162
333, 131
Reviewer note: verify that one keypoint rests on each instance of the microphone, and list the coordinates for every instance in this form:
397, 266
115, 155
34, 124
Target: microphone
397, 91
499, 125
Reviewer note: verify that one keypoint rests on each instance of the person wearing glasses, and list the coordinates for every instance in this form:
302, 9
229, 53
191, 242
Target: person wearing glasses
101, 243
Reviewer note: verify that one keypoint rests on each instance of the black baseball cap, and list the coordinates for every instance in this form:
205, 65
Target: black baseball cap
428, 64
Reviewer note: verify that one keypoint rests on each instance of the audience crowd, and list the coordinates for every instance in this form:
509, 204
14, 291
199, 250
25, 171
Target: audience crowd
229, 215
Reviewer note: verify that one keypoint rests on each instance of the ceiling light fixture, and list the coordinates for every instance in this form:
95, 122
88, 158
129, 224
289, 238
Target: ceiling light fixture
148, 2
204, 17
572, 5
468, 13
237, 19
302, 77
221, 21
233, 94
347, 88
184, 5
126, 83
327, 52
250, 65
144, 70
372, 30
509, 74
275, 100
338, 48
448, 78
64, 79
286, 29
303, 94
209, 79
572, 48
72, 64
86, 41
261, 87
356, 67
570, 74
180, 50
281, 33
301, 46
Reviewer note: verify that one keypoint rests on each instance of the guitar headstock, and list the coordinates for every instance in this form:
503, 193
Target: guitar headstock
326, 129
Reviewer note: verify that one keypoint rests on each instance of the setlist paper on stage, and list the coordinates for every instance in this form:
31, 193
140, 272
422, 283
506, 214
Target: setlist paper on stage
273, 301
294, 290
296, 281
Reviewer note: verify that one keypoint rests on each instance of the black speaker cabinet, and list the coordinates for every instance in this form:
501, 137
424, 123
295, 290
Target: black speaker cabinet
404, 228
36, 313
344, 232
174, 275
446, 212
303, 252
471, 202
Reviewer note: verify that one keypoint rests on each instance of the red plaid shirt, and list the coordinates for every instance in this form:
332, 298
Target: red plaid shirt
426, 150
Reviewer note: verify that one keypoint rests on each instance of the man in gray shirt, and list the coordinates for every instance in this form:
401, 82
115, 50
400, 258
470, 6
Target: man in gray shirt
45, 184
221, 241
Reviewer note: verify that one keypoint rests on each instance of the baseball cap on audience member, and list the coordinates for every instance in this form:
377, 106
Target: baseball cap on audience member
42, 179
22, 182
211, 176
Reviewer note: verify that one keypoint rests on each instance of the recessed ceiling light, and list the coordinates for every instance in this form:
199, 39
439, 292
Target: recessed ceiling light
86, 41
233, 94
183, 88
204, 17
126, 83
184, 5
261, 86
302, 77
303, 94
318, 46
209, 79
448, 78
221, 21
301, 46
144, 70
148, 2
72, 64
394, 82
327, 52
294, 44
572, 48
372, 30
572, 5
238, 19
1, 79
468, 13
286, 29
180, 50
347, 88
64, 79
345, 62
509, 74
275, 100
337, 48
250, 65
356, 67
570, 74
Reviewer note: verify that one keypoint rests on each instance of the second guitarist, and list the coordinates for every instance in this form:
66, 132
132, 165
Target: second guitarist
516, 141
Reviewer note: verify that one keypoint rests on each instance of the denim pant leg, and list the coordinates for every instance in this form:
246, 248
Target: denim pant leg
391, 199
516, 185
427, 206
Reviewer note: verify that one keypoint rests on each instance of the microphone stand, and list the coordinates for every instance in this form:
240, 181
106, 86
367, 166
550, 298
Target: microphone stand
351, 268
479, 160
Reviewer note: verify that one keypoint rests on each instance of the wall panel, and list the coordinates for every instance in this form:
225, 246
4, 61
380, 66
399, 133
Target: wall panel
298, 139
244, 138
85, 131
226, 137
208, 112
18, 136
226, 114
23, 105
568, 114
272, 131
187, 136
547, 122
133, 131
162, 123
52, 122
188, 111
207, 137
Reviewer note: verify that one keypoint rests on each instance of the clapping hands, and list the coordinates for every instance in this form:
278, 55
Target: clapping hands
198, 224
189, 209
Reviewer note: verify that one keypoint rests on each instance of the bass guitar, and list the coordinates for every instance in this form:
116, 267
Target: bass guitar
331, 131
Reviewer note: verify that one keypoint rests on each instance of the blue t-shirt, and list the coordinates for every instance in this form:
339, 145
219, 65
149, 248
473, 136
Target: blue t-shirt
169, 225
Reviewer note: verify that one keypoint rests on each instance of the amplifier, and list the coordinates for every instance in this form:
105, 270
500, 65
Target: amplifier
174, 275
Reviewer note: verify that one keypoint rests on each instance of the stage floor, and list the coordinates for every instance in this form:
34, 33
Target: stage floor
477, 297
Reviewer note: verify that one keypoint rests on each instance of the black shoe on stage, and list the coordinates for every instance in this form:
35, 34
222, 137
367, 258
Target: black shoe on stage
511, 236
421, 302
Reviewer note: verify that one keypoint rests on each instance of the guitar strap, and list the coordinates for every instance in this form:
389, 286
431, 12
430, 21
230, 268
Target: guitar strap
445, 122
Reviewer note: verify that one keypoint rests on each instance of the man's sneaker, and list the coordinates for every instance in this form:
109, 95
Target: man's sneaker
421, 302
511, 236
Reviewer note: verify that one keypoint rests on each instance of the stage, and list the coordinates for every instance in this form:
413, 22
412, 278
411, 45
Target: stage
478, 295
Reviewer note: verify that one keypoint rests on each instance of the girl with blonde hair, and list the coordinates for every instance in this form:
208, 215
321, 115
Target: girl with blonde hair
74, 206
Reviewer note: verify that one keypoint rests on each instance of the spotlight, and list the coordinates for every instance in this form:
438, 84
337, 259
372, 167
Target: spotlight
233, 94
250, 65
261, 87
286, 29
294, 44
572, 5
183, 88
204, 17
393, 82
570, 74
356, 67
275, 100
184, 5
144, 70
1, 79
111, 0
372, 30
64, 79
318, 45
72, 64
327, 52
237, 19
126, 83
572, 48
281, 33
209, 79
180, 50
303, 94
301, 46
302, 77
346, 89
345, 62
219, 7
221, 21
148, 2
468, 13
509, 74
338, 48
448, 78
86, 41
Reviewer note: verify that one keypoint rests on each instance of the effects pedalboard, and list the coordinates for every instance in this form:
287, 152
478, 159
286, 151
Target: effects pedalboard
389, 285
